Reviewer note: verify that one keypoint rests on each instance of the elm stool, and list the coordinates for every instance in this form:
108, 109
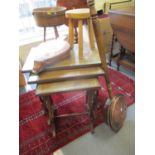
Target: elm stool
49, 17
79, 15
44, 91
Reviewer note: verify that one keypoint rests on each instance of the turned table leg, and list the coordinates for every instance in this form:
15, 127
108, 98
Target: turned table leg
90, 99
44, 106
121, 55
95, 103
48, 102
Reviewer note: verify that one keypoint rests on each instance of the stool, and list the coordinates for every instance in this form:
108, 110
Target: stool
44, 91
49, 17
79, 15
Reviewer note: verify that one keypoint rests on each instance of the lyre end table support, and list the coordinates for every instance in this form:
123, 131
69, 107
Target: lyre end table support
91, 101
47, 104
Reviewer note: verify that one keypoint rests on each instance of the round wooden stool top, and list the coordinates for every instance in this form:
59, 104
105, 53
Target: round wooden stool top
82, 13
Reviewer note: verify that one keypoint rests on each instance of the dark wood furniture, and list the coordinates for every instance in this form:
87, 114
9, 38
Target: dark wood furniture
123, 25
49, 17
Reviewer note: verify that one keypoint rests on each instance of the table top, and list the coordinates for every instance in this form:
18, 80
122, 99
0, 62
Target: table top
65, 86
60, 75
125, 33
90, 58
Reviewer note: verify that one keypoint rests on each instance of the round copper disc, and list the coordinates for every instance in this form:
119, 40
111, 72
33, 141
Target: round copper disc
117, 112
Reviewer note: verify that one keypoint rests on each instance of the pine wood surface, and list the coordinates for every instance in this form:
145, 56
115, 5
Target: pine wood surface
82, 13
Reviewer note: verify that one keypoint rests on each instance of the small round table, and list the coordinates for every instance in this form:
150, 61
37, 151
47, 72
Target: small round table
49, 17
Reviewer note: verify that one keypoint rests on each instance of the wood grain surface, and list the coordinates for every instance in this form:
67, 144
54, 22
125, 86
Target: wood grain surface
69, 74
65, 86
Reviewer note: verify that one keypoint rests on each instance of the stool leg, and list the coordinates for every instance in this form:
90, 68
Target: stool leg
71, 32
90, 33
44, 34
95, 103
80, 37
56, 32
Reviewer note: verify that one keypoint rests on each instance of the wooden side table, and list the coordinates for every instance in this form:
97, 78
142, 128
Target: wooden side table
44, 91
74, 73
125, 33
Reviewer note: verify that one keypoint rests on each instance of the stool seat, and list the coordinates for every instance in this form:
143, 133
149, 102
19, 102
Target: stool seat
78, 13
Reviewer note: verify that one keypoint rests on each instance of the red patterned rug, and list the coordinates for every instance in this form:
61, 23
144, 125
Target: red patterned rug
35, 135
